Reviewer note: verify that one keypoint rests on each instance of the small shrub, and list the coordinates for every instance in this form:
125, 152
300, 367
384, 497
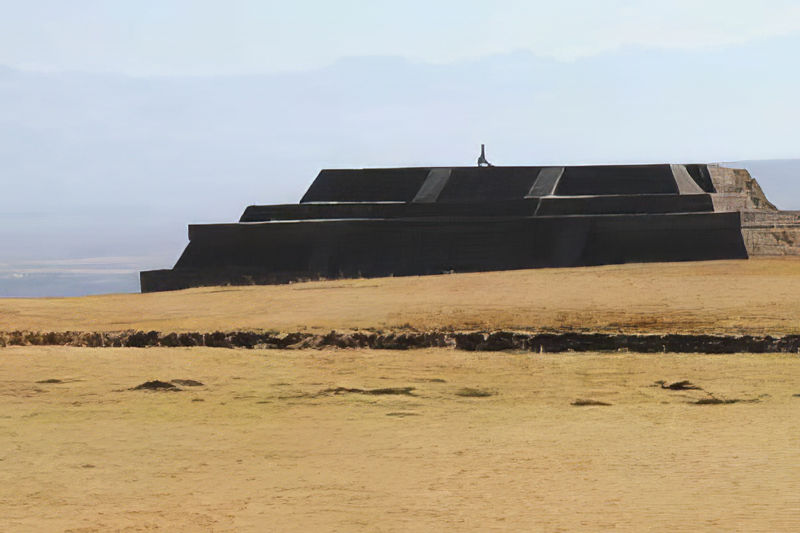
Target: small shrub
187, 382
404, 391
468, 392
156, 385
721, 401
679, 385
583, 403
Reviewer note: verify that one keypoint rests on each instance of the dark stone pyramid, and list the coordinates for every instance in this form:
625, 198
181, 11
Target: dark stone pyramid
415, 221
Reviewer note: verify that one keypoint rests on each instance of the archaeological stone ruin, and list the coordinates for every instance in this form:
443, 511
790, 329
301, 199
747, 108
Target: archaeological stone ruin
418, 221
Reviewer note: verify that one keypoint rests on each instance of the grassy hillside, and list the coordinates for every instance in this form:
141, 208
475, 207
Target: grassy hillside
758, 296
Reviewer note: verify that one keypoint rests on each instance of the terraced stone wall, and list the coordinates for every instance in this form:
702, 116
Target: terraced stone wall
766, 230
771, 233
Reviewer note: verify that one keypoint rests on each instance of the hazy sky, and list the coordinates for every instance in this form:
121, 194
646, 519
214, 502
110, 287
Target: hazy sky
123, 120
207, 37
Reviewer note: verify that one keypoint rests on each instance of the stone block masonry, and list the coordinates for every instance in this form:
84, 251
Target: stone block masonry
771, 233
421, 221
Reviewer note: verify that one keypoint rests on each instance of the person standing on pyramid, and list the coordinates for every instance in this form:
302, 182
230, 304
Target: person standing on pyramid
482, 161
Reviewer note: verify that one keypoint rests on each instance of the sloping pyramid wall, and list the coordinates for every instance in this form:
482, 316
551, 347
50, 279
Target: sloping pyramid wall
417, 221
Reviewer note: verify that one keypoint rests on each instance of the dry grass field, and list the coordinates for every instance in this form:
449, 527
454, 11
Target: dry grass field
481, 442
418, 440
757, 296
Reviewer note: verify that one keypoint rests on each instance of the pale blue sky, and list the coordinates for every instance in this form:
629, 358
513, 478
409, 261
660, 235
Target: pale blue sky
208, 37
121, 121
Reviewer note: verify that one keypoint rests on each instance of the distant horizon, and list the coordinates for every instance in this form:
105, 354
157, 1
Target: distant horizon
121, 123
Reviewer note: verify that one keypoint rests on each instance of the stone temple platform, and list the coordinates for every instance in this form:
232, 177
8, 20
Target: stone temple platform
416, 221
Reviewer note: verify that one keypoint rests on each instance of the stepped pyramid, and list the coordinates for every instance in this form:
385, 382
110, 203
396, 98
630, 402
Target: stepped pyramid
418, 221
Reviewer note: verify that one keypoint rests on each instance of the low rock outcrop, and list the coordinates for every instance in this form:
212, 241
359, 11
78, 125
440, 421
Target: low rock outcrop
478, 341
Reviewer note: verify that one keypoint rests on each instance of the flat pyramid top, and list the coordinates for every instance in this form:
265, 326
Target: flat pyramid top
479, 184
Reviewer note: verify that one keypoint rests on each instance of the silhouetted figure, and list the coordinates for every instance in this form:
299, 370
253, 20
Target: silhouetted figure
482, 161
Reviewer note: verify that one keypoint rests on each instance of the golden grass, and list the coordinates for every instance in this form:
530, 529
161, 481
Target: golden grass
424, 440
262, 447
757, 296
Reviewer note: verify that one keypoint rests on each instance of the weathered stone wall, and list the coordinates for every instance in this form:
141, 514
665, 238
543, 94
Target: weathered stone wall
772, 233
737, 190
766, 231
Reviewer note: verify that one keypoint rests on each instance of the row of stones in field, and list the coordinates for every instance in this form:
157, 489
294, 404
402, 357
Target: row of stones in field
469, 341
